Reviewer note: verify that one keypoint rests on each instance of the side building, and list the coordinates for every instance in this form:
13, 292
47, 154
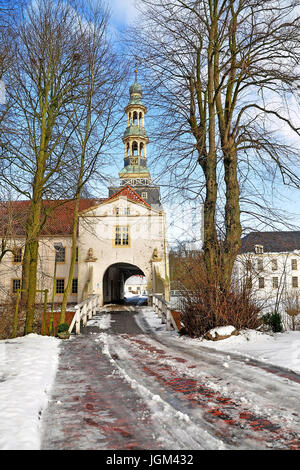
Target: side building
269, 263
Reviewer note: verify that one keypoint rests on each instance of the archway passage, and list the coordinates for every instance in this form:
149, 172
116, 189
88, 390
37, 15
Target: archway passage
114, 281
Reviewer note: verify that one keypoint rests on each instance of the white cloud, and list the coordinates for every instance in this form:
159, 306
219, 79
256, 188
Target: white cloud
123, 11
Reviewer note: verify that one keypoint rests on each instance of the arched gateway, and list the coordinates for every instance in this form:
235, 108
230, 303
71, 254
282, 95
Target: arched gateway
114, 281
125, 234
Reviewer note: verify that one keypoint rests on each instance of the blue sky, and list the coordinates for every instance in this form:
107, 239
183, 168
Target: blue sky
122, 13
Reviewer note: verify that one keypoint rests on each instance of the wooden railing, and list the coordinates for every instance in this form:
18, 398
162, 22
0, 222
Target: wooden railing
84, 312
164, 310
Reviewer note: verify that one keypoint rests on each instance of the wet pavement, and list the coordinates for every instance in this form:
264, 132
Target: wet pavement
92, 407
122, 389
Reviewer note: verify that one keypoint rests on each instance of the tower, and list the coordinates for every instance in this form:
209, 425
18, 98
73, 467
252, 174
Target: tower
135, 171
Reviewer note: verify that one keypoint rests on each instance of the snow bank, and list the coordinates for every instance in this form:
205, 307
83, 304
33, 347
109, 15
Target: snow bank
279, 349
27, 370
222, 331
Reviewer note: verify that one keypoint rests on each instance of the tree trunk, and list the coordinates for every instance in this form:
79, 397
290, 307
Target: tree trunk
232, 215
73, 260
211, 245
31, 261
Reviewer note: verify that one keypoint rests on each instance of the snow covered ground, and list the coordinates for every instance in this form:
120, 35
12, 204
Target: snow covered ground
27, 370
28, 366
279, 349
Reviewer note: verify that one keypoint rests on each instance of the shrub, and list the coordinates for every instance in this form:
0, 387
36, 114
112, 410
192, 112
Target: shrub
273, 320
62, 328
206, 306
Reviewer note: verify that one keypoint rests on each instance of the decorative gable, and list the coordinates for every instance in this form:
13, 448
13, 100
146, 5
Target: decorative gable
129, 193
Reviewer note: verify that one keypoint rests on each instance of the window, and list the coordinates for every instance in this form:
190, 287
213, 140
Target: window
16, 284
60, 286
261, 282
248, 282
60, 254
145, 195
294, 264
17, 255
74, 286
275, 282
248, 265
259, 249
295, 282
121, 236
274, 265
127, 211
260, 264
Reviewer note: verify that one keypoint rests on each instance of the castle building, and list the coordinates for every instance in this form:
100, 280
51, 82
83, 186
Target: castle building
118, 237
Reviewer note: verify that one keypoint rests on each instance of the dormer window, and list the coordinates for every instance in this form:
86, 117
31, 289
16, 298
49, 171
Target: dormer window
259, 249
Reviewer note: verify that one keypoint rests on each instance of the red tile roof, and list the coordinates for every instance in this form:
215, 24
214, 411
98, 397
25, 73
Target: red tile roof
13, 216
128, 192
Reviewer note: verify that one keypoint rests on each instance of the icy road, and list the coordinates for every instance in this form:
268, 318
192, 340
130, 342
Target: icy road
121, 385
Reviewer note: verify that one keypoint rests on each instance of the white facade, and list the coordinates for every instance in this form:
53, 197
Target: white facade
274, 278
11, 269
103, 265
146, 252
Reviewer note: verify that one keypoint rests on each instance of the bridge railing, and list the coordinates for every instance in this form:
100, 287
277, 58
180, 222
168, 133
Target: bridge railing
84, 312
164, 311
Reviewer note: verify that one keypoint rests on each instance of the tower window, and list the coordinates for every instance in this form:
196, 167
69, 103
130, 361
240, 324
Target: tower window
142, 149
135, 118
134, 148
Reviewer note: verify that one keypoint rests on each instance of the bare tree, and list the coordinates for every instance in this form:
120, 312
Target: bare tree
95, 116
223, 75
45, 80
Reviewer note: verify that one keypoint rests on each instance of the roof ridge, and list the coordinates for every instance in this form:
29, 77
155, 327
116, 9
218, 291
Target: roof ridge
128, 187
